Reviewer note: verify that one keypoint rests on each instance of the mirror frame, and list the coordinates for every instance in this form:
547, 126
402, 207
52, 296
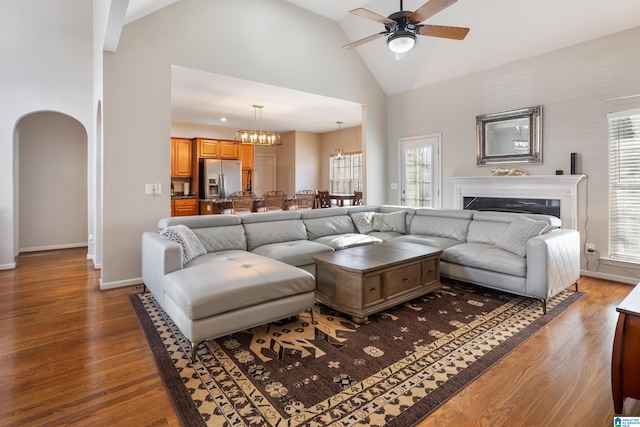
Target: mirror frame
533, 154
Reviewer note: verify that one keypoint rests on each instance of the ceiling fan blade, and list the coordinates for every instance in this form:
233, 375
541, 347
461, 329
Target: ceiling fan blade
364, 40
456, 33
429, 9
364, 13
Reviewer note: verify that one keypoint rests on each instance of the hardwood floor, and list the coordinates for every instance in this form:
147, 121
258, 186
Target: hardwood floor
71, 354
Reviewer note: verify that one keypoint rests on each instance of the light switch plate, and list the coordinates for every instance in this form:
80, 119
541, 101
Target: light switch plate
152, 189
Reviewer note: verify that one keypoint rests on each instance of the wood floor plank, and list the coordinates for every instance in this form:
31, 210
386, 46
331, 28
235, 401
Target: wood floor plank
71, 354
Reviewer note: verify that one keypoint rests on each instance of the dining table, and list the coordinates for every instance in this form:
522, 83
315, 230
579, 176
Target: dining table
340, 198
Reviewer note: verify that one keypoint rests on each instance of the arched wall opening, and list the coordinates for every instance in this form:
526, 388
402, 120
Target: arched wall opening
51, 185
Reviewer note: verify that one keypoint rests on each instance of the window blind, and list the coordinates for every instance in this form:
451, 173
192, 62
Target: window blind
624, 185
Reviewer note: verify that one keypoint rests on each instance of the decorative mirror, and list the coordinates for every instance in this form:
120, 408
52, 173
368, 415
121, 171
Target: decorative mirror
509, 137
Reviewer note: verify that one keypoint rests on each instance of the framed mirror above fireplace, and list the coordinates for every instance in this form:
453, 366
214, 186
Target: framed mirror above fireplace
509, 137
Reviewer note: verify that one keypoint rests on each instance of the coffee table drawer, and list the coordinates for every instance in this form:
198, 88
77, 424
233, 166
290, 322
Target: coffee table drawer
372, 289
403, 279
431, 271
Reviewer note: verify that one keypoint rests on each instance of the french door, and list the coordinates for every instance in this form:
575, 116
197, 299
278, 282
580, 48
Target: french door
420, 171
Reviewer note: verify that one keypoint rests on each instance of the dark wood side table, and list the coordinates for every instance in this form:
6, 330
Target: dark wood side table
625, 360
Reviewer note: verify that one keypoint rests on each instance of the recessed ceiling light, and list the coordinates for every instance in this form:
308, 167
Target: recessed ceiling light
223, 119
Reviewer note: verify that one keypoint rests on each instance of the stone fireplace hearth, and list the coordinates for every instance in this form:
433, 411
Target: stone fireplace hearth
550, 194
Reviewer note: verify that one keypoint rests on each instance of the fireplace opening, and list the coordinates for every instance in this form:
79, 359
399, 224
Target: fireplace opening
512, 204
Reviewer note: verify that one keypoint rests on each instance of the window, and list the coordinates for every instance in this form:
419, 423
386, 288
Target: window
624, 185
345, 173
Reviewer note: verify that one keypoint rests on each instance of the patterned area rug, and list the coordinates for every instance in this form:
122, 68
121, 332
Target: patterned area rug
392, 371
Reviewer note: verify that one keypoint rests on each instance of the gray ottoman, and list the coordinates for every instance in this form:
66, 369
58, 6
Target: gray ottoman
233, 291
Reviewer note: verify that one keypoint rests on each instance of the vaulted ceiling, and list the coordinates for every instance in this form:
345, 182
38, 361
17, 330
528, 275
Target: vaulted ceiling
502, 31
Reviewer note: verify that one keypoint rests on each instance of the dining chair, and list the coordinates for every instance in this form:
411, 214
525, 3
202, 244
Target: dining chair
274, 200
324, 201
242, 201
305, 199
357, 198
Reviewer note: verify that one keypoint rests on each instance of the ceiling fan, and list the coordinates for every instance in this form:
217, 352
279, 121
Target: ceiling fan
403, 26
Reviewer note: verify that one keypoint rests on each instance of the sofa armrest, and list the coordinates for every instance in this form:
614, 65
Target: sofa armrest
553, 262
160, 256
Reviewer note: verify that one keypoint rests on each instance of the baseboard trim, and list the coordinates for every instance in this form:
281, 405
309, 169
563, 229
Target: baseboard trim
10, 266
119, 283
606, 276
54, 247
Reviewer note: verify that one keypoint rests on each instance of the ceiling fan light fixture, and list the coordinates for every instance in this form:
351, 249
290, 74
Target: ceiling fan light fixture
401, 41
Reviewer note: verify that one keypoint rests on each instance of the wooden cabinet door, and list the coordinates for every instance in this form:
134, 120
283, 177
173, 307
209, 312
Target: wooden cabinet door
246, 156
208, 148
184, 207
229, 150
181, 157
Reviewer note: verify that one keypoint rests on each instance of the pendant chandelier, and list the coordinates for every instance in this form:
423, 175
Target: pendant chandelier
339, 151
257, 136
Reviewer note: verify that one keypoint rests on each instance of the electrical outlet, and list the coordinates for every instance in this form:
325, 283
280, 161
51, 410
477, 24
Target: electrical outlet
589, 248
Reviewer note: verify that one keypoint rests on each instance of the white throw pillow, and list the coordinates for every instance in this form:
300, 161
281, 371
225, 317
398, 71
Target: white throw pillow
191, 246
363, 221
519, 232
393, 221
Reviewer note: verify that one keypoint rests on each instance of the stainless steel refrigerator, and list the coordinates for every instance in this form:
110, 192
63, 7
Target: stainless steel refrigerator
219, 178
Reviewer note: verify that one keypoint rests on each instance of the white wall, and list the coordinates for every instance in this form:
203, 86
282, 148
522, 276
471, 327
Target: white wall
571, 84
137, 88
308, 161
46, 66
52, 182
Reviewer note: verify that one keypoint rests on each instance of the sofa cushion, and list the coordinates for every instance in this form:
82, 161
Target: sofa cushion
297, 252
199, 221
231, 281
265, 233
433, 241
519, 232
328, 226
222, 238
347, 240
191, 245
486, 257
392, 221
451, 228
508, 217
385, 235
363, 221
486, 231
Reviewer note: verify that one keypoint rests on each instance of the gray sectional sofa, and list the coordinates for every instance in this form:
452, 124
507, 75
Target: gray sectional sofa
250, 269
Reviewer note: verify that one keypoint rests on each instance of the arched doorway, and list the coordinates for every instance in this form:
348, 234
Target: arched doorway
51, 182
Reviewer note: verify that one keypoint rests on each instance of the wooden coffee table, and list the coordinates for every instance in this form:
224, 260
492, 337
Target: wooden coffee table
367, 279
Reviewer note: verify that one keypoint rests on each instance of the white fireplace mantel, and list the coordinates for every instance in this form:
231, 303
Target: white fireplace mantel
561, 187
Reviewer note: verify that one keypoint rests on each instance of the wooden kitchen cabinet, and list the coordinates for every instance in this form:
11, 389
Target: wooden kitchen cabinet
207, 148
181, 158
184, 207
229, 150
216, 149
246, 156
